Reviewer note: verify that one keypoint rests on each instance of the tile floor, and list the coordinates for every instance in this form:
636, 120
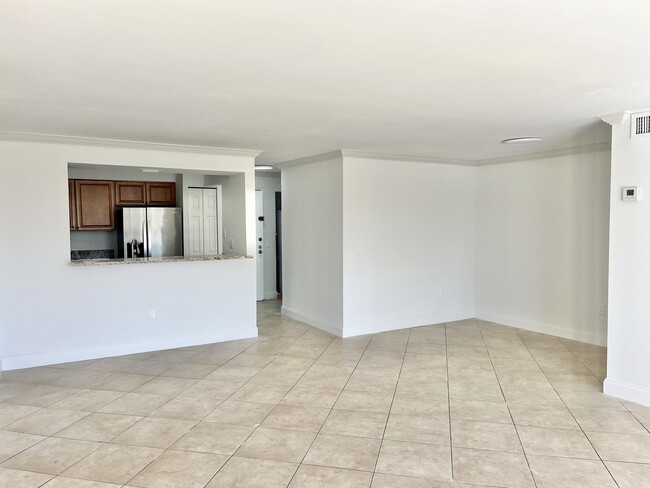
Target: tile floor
466, 404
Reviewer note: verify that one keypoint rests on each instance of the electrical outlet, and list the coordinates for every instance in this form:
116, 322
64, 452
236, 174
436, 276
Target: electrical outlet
442, 294
152, 313
231, 244
602, 310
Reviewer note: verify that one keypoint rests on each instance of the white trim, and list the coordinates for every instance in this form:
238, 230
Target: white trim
350, 153
317, 158
404, 323
553, 153
91, 141
632, 393
555, 330
325, 325
58, 357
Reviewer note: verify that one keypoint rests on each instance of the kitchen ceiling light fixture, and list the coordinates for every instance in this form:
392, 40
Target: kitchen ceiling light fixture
263, 167
521, 140
149, 170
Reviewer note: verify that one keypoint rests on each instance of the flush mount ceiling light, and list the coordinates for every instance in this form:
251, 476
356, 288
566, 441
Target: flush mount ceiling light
521, 140
263, 167
149, 170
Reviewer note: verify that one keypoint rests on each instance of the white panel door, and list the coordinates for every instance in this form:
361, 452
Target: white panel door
210, 244
195, 224
259, 227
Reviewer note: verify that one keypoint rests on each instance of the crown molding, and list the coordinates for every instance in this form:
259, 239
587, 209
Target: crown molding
615, 118
351, 153
317, 158
118, 143
553, 153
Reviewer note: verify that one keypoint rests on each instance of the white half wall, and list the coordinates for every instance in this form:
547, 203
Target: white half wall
408, 244
628, 345
269, 185
53, 312
542, 244
312, 237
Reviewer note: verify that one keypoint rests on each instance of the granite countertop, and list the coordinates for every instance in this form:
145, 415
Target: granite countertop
169, 259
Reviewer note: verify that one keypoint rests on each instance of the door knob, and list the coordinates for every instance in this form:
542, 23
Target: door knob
259, 252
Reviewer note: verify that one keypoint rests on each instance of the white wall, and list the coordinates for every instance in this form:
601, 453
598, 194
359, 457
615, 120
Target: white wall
312, 237
51, 311
541, 245
628, 354
269, 185
408, 233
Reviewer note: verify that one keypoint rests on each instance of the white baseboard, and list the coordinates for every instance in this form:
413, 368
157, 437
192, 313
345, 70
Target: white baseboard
404, 323
632, 393
576, 335
270, 295
325, 325
68, 356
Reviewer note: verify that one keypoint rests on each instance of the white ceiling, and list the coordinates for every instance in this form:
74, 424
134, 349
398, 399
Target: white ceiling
428, 78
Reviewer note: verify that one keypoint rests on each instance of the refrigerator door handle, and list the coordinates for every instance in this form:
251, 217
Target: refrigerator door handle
145, 239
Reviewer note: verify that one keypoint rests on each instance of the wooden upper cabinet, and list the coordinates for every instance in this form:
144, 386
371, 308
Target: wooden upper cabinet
161, 193
72, 205
130, 193
95, 204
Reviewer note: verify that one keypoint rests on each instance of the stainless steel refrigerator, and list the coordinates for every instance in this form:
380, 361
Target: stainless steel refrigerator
149, 232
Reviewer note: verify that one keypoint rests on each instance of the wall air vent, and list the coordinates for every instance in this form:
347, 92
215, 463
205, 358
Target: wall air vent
640, 124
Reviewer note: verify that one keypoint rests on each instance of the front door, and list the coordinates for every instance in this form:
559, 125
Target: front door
259, 241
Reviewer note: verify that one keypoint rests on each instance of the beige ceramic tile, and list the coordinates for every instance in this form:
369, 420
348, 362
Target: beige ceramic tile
480, 411
414, 459
325, 477
190, 370
554, 472
233, 373
87, 400
185, 408
13, 478
46, 421
51, 456
616, 421
484, 435
551, 416
113, 463
100, 427
154, 432
427, 430
214, 438
503, 469
166, 386
11, 443
212, 390
355, 423
629, 475
253, 473
364, 401
64, 482
390, 481
180, 468
240, 413
124, 382
140, 404
621, 447
41, 396
420, 406
339, 451
308, 419
311, 397
556, 442
277, 445
260, 394
9, 413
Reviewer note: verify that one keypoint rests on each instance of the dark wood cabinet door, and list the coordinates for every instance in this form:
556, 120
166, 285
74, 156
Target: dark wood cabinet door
95, 204
72, 205
161, 193
130, 193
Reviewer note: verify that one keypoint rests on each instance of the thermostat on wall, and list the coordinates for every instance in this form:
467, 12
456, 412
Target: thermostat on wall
630, 194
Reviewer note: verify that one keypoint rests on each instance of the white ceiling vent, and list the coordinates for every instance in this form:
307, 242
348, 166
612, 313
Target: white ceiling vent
640, 124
